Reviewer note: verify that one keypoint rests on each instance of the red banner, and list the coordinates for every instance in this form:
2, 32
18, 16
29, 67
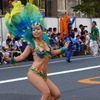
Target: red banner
10, 2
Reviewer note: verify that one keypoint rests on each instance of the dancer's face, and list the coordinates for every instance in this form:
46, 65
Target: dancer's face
37, 31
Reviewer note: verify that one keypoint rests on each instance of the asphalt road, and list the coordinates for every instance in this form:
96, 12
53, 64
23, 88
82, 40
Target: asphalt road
14, 84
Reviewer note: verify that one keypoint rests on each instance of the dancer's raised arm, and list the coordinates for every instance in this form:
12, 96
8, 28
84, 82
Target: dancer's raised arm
26, 52
61, 50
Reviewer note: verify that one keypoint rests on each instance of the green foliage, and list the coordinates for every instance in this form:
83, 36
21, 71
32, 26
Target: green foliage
88, 7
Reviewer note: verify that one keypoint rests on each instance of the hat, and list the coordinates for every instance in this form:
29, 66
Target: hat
94, 22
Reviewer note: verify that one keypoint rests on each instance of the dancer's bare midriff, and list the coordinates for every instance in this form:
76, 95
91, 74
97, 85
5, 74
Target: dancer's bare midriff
40, 63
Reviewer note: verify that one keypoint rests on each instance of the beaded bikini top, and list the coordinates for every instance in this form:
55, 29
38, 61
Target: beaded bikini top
43, 53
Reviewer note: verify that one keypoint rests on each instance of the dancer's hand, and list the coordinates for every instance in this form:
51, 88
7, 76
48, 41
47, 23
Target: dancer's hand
67, 44
6, 58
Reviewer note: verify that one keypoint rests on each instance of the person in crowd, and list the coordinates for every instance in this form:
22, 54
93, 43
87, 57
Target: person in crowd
6, 46
61, 42
80, 29
94, 39
50, 31
1, 60
16, 46
77, 45
30, 56
24, 44
1, 55
83, 33
53, 42
17, 42
75, 32
9, 36
83, 46
87, 41
47, 33
55, 30
83, 29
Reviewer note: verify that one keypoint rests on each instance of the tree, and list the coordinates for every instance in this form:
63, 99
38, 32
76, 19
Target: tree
91, 7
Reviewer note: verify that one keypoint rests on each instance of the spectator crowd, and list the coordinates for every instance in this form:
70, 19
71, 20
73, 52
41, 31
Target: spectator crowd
13, 47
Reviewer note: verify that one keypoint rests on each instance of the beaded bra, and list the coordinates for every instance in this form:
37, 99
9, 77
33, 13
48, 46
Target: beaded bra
43, 53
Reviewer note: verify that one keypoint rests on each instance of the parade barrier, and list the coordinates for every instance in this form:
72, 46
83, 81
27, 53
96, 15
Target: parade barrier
53, 22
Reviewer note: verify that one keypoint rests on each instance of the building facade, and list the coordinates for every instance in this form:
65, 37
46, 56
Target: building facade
64, 6
57, 8
48, 8
6, 5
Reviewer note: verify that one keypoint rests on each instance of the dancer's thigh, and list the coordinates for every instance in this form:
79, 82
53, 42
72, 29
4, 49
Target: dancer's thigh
53, 89
37, 82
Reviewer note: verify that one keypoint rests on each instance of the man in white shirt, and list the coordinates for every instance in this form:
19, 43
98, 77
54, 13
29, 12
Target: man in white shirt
75, 32
6, 46
80, 29
55, 30
50, 31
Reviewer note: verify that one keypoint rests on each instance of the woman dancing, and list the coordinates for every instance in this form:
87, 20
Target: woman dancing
38, 44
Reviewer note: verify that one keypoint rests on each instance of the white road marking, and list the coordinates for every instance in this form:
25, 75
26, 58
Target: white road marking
52, 74
48, 63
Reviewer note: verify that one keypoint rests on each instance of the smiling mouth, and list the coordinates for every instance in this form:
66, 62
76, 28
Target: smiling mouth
36, 34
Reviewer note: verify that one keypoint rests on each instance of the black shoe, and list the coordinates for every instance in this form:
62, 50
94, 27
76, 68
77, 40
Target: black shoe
68, 61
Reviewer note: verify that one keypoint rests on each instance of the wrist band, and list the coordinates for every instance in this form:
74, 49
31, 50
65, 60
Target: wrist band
63, 50
13, 61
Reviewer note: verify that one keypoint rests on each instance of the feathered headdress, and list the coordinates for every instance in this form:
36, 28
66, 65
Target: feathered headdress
21, 19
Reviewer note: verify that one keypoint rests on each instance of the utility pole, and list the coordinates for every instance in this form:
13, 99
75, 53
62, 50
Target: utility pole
45, 8
40, 4
1, 7
65, 6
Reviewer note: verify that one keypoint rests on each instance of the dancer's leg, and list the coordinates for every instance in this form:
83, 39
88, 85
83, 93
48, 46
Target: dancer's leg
55, 93
39, 84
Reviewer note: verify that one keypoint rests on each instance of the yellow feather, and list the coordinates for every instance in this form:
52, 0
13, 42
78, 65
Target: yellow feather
35, 7
24, 41
11, 34
49, 38
35, 24
39, 24
31, 21
28, 42
17, 8
28, 28
23, 30
7, 16
40, 19
30, 1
